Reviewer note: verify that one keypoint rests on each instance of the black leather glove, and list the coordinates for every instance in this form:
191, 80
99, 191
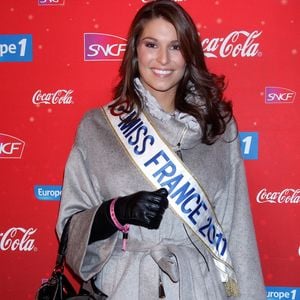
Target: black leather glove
142, 208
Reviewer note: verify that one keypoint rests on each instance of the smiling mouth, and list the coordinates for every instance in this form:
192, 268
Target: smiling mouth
161, 72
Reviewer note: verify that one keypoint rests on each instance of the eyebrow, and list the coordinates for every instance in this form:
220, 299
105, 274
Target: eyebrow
156, 40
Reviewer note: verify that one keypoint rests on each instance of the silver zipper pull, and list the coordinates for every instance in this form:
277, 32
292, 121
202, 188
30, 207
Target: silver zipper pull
178, 146
161, 290
178, 152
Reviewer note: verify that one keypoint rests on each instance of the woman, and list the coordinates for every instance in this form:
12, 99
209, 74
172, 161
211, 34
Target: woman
184, 219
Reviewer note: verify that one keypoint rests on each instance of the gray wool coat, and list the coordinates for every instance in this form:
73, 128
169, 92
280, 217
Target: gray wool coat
98, 169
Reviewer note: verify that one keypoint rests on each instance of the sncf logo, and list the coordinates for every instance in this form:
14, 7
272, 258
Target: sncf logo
103, 47
51, 2
10, 146
279, 95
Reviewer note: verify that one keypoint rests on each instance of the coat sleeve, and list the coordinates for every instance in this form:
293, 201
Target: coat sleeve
237, 223
81, 198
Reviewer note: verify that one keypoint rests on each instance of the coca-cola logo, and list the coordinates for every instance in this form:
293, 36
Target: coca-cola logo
237, 43
286, 196
59, 97
17, 239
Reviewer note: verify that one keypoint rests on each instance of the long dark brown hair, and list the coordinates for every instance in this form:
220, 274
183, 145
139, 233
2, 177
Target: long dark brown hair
212, 112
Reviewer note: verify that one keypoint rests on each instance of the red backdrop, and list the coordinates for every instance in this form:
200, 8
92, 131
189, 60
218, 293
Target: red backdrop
52, 72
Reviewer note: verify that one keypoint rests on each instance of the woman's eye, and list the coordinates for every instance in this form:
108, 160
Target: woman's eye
150, 45
175, 47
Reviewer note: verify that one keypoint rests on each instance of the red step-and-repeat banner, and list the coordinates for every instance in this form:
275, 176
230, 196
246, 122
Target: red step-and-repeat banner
60, 58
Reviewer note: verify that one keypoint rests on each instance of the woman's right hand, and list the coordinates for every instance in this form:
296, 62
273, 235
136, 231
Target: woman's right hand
142, 208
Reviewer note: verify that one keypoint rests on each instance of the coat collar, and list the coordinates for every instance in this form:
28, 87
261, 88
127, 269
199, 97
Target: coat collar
180, 129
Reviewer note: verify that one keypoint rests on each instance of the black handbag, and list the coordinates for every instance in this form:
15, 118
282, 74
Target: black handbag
58, 287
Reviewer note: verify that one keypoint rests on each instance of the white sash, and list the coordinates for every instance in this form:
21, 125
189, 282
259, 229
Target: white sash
162, 167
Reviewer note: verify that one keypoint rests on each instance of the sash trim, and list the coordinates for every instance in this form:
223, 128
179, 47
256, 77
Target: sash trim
201, 218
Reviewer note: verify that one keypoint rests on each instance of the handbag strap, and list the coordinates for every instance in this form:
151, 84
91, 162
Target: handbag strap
62, 247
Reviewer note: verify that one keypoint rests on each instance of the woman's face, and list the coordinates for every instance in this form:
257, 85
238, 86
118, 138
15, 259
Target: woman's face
160, 62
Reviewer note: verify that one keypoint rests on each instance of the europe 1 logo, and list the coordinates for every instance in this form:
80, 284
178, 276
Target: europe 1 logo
15, 47
249, 145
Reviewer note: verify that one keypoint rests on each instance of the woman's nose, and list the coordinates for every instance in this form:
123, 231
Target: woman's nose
163, 56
